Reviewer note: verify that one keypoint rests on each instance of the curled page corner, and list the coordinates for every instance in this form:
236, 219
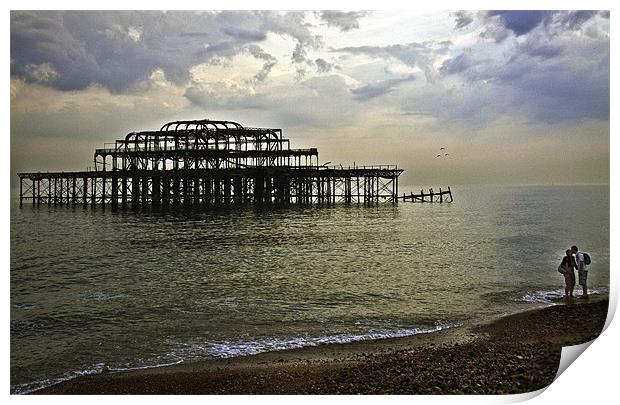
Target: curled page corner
526, 396
569, 355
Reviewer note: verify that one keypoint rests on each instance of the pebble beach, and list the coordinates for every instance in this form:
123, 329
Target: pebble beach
514, 354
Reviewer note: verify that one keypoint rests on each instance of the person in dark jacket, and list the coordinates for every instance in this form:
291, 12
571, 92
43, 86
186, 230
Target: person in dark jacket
567, 268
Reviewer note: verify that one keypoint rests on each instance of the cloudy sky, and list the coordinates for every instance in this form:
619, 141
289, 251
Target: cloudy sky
514, 96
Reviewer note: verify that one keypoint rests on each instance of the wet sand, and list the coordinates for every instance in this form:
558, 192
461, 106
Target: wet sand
514, 354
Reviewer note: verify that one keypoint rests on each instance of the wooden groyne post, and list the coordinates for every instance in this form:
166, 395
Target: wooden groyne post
431, 196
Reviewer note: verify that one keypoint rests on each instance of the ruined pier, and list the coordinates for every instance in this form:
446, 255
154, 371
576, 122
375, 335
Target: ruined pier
207, 162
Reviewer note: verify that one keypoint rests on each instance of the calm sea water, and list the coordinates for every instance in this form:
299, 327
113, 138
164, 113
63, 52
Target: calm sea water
95, 290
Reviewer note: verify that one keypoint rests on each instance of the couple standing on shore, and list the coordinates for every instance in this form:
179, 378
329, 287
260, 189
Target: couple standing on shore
574, 259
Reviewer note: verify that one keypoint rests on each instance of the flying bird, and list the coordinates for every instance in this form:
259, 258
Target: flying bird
442, 148
447, 154
438, 156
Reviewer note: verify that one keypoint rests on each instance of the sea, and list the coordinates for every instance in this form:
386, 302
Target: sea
94, 290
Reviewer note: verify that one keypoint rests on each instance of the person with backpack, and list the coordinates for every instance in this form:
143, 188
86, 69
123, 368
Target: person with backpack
567, 268
582, 259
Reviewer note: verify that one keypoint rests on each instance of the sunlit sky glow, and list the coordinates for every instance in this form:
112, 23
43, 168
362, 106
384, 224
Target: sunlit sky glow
513, 96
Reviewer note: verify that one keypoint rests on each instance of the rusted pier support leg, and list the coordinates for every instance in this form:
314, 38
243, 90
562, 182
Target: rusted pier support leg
103, 181
135, 192
145, 191
62, 193
187, 191
114, 192
227, 190
195, 187
21, 193
363, 190
450, 193
327, 191
93, 191
440, 195
176, 190
55, 188
259, 190
165, 193
73, 192
288, 189
156, 195
208, 191
374, 189
237, 190
307, 190
84, 191
396, 189
196, 191
245, 186
218, 191
124, 192
268, 189
284, 186
277, 189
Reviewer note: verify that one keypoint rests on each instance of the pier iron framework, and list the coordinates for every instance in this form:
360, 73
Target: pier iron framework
207, 162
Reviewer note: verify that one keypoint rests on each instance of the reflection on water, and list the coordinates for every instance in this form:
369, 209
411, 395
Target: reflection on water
94, 289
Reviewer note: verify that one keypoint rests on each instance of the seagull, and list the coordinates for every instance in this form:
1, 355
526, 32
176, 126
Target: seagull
447, 154
438, 156
442, 148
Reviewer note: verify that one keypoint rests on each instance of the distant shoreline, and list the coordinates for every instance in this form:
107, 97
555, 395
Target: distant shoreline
514, 354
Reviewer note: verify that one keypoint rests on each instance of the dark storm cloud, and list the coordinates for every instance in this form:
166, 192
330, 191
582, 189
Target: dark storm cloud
378, 89
293, 24
345, 21
547, 78
521, 22
246, 35
270, 61
542, 50
323, 66
462, 19
575, 19
86, 47
458, 64
551, 74
71, 50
